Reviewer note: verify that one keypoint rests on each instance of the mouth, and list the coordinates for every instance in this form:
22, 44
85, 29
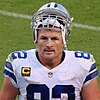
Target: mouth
48, 51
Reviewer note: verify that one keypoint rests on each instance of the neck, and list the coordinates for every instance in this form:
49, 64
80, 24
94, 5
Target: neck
52, 63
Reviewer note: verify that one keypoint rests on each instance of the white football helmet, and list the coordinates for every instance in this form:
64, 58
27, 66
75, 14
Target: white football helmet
55, 15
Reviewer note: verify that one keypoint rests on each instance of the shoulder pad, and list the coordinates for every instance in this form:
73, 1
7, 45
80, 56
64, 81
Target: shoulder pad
17, 55
84, 56
85, 59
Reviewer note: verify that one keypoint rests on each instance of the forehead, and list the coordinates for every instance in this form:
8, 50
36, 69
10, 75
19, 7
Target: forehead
51, 31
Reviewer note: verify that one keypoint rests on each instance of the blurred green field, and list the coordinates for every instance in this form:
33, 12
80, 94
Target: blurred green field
16, 33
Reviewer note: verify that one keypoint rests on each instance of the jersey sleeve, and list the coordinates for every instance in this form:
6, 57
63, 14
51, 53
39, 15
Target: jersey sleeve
92, 70
88, 63
13, 66
93, 73
9, 70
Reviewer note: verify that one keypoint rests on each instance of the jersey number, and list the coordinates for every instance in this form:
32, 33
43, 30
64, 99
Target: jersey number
19, 54
84, 55
41, 92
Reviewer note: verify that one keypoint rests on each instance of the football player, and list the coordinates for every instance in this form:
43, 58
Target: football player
50, 72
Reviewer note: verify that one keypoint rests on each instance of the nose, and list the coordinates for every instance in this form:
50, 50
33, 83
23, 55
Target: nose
49, 42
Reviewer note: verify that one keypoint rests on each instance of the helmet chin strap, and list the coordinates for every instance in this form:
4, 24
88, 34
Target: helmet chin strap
63, 37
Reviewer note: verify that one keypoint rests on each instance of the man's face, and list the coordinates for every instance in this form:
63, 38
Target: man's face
49, 43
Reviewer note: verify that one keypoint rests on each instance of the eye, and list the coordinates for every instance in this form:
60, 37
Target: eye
43, 38
55, 38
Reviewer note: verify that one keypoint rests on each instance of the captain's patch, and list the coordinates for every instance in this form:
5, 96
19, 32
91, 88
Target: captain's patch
26, 71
